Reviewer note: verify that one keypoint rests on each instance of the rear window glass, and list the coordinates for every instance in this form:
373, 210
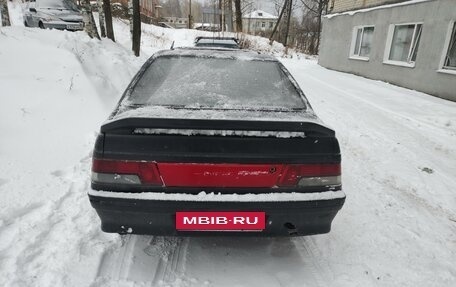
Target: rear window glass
196, 82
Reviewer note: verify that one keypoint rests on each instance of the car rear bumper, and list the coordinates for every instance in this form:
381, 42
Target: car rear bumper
157, 217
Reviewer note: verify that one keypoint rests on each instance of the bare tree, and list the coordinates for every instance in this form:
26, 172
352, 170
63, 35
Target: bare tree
89, 22
130, 17
317, 9
237, 7
101, 18
5, 13
108, 19
230, 13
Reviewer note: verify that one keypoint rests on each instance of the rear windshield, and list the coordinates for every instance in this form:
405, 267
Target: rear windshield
195, 82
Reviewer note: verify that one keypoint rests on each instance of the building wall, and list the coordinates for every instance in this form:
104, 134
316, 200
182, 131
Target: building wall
346, 5
436, 16
255, 26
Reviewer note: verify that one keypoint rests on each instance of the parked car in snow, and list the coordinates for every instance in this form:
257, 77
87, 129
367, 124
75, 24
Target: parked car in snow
165, 25
53, 14
221, 42
215, 141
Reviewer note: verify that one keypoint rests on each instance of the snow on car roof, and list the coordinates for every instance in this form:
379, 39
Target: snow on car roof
221, 53
208, 114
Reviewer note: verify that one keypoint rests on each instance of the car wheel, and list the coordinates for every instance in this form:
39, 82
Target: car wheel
25, 23
41, 25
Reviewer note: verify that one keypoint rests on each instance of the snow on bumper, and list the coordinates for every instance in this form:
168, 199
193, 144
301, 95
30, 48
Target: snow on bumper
213, 197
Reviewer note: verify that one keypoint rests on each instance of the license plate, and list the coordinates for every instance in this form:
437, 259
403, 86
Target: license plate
220, 221
74, 27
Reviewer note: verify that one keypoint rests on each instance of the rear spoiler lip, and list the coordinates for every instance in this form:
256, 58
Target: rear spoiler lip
128, 125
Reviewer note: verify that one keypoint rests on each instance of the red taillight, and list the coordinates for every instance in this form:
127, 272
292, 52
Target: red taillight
146, 171
215, 174
293, 173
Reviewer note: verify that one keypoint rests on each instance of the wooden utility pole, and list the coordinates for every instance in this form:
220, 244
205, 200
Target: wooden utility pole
136, 37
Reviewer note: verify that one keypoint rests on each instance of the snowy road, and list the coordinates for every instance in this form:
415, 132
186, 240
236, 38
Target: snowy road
397, 228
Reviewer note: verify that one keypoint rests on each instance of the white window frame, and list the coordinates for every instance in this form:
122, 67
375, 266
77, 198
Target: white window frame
353, 43
389, 42
445, 50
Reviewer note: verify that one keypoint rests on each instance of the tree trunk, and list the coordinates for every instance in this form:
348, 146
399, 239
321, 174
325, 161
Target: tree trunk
130, 16
136, 42
230, 12
220, 5
271, 39
320, 11
5, 13
290, 5
89, 22
237, 7
101, 18
108, 19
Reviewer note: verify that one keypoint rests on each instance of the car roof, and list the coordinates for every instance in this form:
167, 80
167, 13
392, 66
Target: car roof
213, 52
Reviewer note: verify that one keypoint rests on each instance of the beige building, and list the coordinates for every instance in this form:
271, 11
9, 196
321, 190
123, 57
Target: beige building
337, 6
409, 43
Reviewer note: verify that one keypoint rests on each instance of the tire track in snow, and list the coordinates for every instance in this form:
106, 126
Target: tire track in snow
172, 267
309, 251
144, 261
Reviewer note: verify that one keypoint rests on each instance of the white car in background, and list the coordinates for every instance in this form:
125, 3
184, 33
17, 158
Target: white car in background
53, 14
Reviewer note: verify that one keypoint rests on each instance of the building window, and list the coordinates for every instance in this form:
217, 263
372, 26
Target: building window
260, 14
449, 58
402, 44
271, 25
362, 42
263, 24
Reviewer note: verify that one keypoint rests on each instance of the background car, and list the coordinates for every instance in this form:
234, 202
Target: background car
220, 42
53, 14
165, 25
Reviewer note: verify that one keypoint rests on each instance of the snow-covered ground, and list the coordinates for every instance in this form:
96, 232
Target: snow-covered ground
397, 228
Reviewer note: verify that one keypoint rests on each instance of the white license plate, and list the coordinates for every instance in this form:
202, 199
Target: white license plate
74, 26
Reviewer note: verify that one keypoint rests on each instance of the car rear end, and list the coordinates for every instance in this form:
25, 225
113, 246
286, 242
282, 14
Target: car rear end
214, 169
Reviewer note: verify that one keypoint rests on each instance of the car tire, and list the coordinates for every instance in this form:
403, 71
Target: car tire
25, 23
41, 25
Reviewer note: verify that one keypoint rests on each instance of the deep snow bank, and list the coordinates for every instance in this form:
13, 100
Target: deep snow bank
55, 90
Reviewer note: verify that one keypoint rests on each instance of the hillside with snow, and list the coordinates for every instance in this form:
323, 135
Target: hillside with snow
397, 228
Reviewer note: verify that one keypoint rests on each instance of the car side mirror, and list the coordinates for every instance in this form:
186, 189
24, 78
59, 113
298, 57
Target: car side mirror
32, 10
